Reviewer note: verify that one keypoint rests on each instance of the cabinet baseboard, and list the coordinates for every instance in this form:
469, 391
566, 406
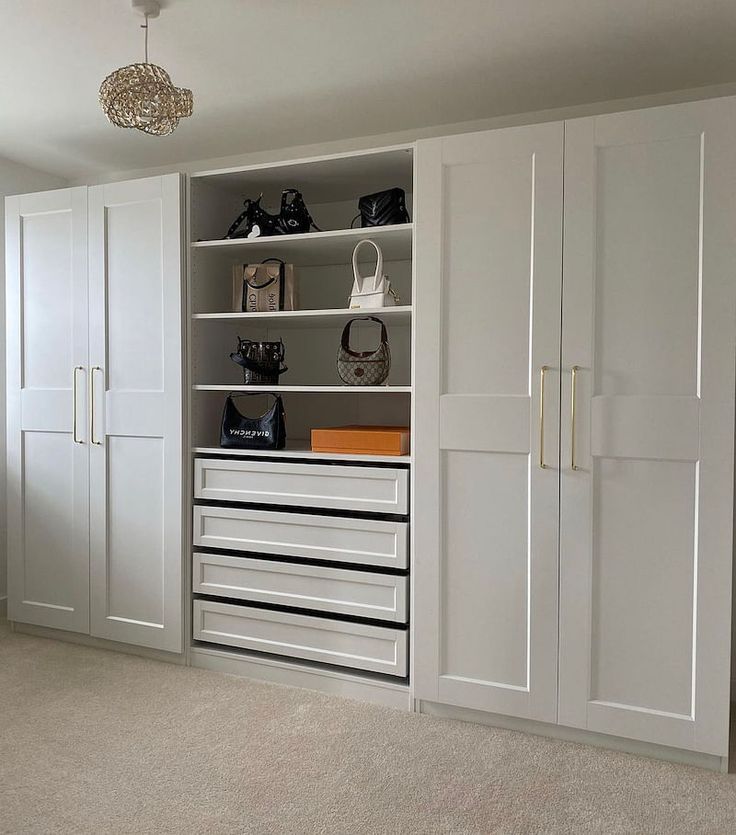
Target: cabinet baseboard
612, 743
97, 643
295, 674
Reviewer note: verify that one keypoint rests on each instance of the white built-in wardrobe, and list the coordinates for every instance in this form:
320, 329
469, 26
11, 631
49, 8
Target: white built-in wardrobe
94, 370
576, 312
558, 545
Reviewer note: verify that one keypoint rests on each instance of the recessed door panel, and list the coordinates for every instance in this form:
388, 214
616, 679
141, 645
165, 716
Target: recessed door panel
643, 534
47, 440
48, 298
135, 534
136, 378
487, 301
51, 569
489, 229
485, 600
647, 428
646, 267
134, 296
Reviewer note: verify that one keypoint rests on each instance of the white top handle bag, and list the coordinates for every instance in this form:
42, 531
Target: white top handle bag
370, 292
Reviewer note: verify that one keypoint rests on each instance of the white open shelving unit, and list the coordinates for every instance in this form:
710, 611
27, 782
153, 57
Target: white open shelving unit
312, 392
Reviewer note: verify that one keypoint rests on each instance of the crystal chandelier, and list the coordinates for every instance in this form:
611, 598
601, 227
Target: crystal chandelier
142, 96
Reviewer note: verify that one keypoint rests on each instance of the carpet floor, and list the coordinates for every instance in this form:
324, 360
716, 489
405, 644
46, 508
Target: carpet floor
99, 742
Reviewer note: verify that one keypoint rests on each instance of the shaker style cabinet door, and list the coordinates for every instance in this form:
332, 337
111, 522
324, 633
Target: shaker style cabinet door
47, 433
135, 381
647, 461
488, 265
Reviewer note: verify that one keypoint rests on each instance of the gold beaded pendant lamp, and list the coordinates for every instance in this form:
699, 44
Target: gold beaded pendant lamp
141, 96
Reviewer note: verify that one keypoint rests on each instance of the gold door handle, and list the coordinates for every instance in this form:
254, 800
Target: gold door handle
573, 389
92, 404
74, 404
542, 372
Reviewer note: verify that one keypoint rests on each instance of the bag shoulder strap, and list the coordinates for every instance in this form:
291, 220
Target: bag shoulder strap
345, 340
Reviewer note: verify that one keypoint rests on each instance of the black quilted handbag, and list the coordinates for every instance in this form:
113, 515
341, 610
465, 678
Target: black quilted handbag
363, 368
384, 208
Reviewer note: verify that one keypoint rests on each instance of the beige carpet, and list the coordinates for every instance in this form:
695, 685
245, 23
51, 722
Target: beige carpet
97, 742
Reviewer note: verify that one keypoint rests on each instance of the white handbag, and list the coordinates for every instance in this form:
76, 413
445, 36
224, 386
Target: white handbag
371, 292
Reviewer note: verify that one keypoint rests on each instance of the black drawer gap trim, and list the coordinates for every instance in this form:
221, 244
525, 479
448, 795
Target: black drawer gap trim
384, 465
305, 511
313, 613
285, 558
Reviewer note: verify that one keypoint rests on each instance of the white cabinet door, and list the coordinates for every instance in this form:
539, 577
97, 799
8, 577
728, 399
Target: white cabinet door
646, 519
136, 392
48, 537
488, 283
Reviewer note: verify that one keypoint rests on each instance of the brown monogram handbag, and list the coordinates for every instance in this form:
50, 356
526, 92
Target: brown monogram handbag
363, 368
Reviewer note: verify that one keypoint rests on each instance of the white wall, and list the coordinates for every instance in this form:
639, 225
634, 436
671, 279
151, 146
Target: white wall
14, 179
400, 137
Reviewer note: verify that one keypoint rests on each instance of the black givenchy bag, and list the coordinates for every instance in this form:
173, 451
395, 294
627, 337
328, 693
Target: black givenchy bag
384, 208
268, 431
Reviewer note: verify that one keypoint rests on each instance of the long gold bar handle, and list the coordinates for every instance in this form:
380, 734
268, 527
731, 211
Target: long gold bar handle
573, 388
74, 404
542, 372
92, 405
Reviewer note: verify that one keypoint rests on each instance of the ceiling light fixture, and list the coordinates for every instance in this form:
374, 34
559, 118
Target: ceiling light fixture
141, 96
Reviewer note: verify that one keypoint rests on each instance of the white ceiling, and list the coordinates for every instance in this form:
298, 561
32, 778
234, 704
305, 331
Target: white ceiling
277, 73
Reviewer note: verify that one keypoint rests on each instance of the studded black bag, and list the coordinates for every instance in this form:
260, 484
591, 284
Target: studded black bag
255, 222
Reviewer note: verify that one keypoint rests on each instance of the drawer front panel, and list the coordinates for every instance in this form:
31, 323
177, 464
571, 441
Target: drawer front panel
356, 645
361, 541
371, 489
358, 593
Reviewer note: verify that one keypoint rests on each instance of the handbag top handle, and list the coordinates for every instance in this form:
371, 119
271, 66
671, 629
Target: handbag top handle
269, 280
276, 400
377, 275
345, 341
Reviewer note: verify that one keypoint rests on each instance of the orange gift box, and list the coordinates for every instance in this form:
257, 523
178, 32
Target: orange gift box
362, 440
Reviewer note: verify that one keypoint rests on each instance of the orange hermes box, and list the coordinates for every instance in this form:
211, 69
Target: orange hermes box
362, 440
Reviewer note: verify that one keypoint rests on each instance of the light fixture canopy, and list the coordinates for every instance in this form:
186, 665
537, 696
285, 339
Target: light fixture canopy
141, 95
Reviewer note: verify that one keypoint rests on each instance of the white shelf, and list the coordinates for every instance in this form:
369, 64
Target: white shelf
323, 179
312, 389
399, 315
323, 248
301, 449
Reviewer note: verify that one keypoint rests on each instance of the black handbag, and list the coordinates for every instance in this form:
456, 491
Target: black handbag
260, 361
267, 431
255, 222
363, 368
384, 208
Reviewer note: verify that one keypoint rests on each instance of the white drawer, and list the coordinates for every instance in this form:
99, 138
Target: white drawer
357, 645
361, 541
373, 489
359, 593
